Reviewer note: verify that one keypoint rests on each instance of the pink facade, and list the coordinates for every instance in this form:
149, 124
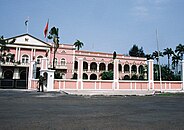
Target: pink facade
78, 69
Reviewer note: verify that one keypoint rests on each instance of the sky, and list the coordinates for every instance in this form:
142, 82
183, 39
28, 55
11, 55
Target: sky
102, 25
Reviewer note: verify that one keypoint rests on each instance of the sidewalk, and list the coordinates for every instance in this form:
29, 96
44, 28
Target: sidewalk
109, 92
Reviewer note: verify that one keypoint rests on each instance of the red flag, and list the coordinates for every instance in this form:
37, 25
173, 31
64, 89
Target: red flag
46, 28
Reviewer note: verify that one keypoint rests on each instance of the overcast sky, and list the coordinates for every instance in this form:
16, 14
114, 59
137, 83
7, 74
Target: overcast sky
102, 25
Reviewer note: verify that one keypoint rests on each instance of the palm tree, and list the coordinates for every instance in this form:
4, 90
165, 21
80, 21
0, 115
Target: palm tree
175, 61
180, 50
78, 44
156, 56
169, 52
54, 34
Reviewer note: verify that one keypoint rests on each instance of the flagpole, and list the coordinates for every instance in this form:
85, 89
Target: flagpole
159, 59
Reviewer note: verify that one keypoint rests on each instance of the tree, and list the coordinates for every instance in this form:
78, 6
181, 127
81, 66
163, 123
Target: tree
156, 56
78, 44
168, 52
149, 56
114, 55
3, 47
175, 61
180, 50
135, 51
107, 75
54, 35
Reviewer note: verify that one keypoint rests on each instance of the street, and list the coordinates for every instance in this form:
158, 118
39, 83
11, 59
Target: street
31, 110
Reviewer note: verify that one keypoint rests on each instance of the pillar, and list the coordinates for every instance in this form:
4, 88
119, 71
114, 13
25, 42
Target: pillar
150, 75
44, 63
182, 73
16, 74
1, 71
32, 73
80, 73
116, 75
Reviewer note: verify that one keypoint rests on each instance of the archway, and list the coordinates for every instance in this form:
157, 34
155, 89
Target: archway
102, 67
93, 66
8, 74
85, 66
126, 68
110, 67
134, 68
93, 77
85, 76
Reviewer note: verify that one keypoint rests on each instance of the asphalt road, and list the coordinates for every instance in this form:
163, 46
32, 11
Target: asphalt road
30, 110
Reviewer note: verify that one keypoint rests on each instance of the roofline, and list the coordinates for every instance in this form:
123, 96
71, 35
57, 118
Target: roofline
28, 35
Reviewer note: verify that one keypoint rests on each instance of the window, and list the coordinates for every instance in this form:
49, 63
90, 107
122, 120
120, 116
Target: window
39, 59
63, 62
25, 59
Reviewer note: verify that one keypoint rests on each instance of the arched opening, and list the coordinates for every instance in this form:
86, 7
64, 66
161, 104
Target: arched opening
63, 62
126, 77
93, 66
25, 59
23, 74
141, 77
39, 59
85, 66
8, 74
134, 69
38, 72
102, 67
93, 77
120, 68
85, 76
76, 65
141, 69
110, 67
74, 76
126, 68
134, 77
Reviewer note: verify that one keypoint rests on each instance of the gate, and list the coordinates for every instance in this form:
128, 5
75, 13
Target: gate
13, 83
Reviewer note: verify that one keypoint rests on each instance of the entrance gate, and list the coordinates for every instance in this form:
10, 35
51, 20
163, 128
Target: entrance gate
13, 83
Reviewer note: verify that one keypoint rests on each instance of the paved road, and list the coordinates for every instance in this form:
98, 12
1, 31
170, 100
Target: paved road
30, 110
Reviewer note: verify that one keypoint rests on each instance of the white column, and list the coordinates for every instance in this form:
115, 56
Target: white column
1, 71
98, 67
116, 75
44, 63
50, 80
16, 54
18, 58
16, 74
150, 75
182, 73
32, 70
80, 73
31, 55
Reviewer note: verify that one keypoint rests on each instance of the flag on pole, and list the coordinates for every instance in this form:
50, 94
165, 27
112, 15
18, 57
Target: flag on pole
26, 23
46, 29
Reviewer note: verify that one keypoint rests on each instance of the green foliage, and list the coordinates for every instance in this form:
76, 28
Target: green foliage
114, 55
134, 77
4, 49
168, 52
54, 35
136, 51
167, 74
107, 75
180, 50
78, 44
57, 75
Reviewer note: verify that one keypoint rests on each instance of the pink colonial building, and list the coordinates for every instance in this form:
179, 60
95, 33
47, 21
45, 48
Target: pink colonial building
29, 57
